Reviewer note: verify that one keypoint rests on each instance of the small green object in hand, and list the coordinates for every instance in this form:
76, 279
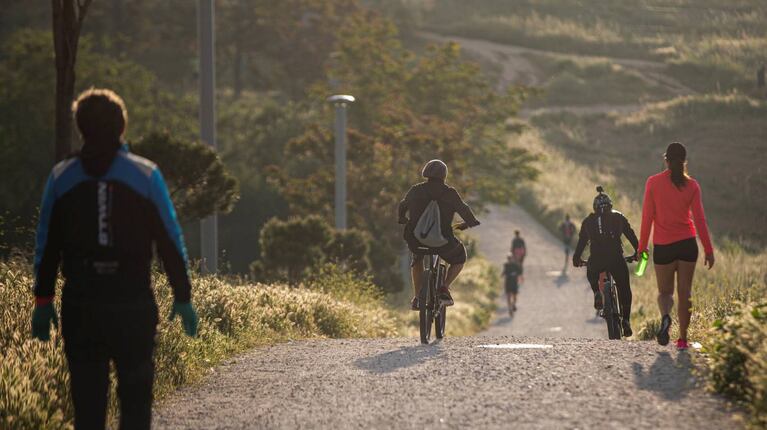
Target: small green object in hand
643, 257
42, 316
189, 317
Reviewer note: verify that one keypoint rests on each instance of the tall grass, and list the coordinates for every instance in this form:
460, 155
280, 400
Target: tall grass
234, 316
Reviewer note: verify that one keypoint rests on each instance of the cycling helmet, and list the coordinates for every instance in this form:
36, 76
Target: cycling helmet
602, 202
435, 169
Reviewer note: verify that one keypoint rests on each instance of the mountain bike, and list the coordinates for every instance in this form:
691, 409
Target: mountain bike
611, 310
430, 310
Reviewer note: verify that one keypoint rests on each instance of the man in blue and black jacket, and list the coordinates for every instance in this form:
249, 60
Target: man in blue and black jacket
102, 212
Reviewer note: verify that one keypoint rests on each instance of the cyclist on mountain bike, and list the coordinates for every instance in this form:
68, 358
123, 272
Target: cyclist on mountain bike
602, 230
450, 202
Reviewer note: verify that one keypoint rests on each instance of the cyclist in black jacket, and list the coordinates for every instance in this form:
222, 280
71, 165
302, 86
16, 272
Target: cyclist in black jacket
101, 213
450, 203
602, 230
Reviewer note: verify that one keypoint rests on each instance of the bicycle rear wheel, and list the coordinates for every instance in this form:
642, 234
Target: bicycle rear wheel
425, 306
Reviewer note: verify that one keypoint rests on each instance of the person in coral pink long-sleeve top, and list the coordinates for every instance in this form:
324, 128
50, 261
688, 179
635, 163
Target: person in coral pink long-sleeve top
673, 209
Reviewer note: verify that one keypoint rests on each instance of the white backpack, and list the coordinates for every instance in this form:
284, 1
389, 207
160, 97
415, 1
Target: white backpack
428, 230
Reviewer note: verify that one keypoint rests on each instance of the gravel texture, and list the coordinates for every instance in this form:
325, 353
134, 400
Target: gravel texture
396, 383
582, 381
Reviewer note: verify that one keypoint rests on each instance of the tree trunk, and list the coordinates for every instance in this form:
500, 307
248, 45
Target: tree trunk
68, 18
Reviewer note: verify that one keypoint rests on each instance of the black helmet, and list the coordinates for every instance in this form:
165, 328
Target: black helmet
435, 169
602, 202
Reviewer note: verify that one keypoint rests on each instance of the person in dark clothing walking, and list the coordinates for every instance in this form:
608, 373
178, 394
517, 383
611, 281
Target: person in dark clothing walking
518, 248
567, 229
449, 202
512, 274
602, 230
760, 72
102, 211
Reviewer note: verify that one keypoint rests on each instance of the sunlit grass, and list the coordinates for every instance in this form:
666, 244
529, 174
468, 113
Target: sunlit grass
234, 316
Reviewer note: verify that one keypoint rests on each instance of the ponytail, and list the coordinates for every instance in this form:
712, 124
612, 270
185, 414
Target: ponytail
678, 172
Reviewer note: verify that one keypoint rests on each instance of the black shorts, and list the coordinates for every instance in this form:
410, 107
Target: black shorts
512, 287
683, 250
452, 253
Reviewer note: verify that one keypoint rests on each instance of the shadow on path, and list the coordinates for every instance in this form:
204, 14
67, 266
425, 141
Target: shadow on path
561, 280
401, 358
670, 378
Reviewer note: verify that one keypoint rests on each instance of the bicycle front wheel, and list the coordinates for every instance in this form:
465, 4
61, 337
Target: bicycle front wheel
440, 323
425, 311
611, 315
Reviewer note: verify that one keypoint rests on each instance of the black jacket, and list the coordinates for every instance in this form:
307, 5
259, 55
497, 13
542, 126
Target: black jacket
604, 237
101, 230
448, 200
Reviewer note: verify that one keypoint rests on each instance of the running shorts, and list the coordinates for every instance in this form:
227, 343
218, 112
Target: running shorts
683, 250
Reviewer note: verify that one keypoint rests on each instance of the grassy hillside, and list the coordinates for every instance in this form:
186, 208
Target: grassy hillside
710, 44
725, 136
575, 82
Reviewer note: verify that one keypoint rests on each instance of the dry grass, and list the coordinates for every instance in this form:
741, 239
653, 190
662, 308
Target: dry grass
34, 389
709, 45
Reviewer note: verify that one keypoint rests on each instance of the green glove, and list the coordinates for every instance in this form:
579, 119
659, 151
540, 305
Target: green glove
41, 321
189, 317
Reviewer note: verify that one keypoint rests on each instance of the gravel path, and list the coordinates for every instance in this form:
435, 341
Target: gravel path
396, 383
550, 303
569, 378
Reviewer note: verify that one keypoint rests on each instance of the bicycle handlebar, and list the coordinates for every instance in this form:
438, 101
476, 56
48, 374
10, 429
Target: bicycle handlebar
628, 259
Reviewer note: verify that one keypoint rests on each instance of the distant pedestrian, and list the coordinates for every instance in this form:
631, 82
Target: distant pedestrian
103, 212
760, 72
567, 230
518, 248
512, 273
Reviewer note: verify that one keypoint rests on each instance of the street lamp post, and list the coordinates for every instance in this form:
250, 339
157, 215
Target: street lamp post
205, 33
340, 102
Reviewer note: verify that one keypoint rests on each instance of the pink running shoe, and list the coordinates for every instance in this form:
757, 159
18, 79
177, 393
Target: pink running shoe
681, 344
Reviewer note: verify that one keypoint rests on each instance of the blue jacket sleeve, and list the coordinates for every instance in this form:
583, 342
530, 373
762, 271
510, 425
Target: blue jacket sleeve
47, 244
169, 239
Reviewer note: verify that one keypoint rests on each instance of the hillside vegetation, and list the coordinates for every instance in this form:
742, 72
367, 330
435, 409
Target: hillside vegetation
725, 137
712, 45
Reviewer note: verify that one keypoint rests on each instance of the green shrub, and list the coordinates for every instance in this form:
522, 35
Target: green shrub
291, 249
737, 359
198, 181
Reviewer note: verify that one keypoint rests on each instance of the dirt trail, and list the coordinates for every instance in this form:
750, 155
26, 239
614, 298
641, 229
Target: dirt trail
551, 380
517, 69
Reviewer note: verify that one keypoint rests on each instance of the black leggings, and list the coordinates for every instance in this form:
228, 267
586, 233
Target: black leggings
92, 337
620, 273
